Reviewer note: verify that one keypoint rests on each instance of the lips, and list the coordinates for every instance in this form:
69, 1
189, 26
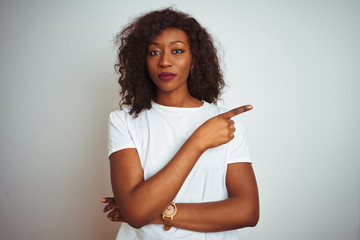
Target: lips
166, 76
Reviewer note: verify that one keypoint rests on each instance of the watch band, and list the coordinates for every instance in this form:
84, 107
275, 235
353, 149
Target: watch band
167, 223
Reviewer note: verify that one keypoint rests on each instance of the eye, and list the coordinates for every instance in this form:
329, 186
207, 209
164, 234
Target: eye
154, 53
178, 51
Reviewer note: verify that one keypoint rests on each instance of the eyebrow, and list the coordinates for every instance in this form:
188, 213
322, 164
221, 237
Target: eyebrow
173, 42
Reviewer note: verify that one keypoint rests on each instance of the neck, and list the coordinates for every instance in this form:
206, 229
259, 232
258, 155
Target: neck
177, 100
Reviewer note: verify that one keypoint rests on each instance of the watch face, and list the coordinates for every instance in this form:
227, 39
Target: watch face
170, 210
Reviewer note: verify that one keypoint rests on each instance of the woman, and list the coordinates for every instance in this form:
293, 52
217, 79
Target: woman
172, 148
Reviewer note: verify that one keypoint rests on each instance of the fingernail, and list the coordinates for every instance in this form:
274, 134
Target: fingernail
249, 107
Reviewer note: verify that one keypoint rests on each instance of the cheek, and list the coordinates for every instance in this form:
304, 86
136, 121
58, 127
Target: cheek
186, 64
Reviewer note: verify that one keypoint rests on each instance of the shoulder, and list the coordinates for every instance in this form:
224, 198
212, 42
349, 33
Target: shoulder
120, 112
123, 116
120, 115
211, 107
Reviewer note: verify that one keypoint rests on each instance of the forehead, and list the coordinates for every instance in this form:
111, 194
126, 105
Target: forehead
170, 35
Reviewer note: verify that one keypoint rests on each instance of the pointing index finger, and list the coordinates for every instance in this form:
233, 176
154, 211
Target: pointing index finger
107, 200
237, 111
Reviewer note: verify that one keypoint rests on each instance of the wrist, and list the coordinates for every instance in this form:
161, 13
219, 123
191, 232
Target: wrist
196, 143
157, 220
168, 215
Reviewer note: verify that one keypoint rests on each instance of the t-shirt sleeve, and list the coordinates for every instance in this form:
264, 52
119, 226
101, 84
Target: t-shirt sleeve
118, 132
238, 150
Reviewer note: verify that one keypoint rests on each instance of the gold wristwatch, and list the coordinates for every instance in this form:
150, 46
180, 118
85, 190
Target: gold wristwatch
168, 215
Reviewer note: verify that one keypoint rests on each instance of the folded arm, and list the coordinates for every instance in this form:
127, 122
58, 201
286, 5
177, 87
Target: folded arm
142, 201
240, 210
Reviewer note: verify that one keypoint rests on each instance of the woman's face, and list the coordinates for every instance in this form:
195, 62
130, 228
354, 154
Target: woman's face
169, 61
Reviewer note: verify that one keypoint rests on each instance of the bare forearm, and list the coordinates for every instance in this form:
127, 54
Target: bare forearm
217, 216
240, 210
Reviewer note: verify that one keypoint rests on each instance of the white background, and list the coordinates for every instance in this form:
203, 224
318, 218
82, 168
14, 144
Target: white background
297, 62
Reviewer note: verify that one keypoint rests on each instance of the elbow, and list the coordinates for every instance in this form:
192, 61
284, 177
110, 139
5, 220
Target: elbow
135, 216
136, 224
253, 221
136, 219
247, 218
253, 217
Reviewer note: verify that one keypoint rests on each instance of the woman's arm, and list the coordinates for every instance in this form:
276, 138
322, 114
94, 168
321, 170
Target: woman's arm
140, 201
240, 210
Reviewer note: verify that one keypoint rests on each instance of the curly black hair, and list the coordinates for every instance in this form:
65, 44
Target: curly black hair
137, 89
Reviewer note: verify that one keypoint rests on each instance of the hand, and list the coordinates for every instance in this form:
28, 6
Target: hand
114, 215
219, 129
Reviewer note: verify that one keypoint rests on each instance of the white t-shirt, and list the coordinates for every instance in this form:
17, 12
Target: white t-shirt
158, 134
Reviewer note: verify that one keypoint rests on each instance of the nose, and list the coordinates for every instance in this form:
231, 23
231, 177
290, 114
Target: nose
165, 60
